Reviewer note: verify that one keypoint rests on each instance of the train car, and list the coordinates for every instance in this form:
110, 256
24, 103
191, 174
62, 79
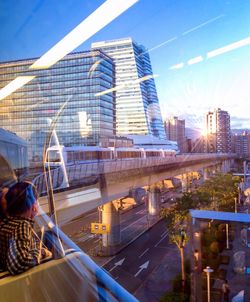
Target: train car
159, 153
169, 153
153, 153
127, 153
15, 150
55, 155
7, 175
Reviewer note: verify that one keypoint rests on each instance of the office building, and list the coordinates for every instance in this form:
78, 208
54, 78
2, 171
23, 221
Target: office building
68, 94
137, 105
198, 145
218, 132
175, 131
152, 142
241, 144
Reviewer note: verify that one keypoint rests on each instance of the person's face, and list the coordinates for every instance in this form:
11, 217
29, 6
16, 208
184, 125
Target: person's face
34, 209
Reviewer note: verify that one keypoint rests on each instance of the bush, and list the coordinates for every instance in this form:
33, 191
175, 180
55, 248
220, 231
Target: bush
187, 266
222, 227
177, 284
220, 236
214, 247
214, 263
208, 237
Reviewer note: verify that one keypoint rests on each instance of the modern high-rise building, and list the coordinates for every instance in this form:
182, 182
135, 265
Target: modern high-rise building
241, 144
137, 104
175, 131
218, 132
68, 93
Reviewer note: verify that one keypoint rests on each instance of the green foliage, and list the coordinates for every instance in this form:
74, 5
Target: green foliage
216, 193
221, 227
222, 189
214, 247
219, 235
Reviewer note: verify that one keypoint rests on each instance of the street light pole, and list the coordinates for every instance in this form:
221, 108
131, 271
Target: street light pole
208, 271
227, 236
235, 204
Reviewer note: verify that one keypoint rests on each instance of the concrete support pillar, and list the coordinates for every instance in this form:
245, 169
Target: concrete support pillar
111, 216
224, 167
218, 168
184, 182
205, 174
154, 199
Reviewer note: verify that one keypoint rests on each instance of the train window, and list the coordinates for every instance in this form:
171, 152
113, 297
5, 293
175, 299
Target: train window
82, 155
104, 154
70, 157
76, 155
53, 156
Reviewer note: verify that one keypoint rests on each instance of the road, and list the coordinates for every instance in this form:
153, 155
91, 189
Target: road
142, 258
146, 266
133, 222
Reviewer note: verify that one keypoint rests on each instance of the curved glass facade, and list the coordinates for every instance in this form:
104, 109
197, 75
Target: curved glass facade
67, 90
137, 104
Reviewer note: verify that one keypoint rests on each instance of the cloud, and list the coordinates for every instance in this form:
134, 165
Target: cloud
240, 122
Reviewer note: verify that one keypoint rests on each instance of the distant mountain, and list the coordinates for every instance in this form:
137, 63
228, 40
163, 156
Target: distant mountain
193, 133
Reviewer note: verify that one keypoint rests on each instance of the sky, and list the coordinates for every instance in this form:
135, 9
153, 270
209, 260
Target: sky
173, 31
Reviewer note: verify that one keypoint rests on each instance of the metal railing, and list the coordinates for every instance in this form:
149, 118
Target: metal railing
72, 275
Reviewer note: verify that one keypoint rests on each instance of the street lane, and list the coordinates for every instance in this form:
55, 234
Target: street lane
137, 261
133, 222
79, 229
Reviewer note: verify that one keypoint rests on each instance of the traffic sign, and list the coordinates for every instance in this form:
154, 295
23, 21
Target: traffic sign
100, 228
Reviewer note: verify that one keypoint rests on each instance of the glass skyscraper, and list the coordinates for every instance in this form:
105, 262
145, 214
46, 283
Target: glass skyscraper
137, 104
66, 93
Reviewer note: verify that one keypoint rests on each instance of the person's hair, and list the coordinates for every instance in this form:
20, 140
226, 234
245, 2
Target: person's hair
3, 206
20, 198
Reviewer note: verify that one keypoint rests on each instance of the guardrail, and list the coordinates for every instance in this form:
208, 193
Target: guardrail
81, 171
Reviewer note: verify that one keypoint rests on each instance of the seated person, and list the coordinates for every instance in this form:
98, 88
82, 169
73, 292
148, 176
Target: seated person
20, 248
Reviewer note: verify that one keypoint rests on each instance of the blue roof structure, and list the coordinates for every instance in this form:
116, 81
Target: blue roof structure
224, 216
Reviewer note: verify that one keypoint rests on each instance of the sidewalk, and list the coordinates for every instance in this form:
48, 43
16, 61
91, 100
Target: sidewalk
237, 282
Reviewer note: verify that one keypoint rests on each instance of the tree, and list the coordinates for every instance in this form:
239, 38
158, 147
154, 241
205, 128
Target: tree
216, 193
222, 190
176, 219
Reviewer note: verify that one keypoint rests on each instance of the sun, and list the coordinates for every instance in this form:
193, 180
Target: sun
204, 132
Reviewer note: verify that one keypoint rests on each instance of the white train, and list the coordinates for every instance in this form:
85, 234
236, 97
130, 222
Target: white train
14, 150
56, 155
